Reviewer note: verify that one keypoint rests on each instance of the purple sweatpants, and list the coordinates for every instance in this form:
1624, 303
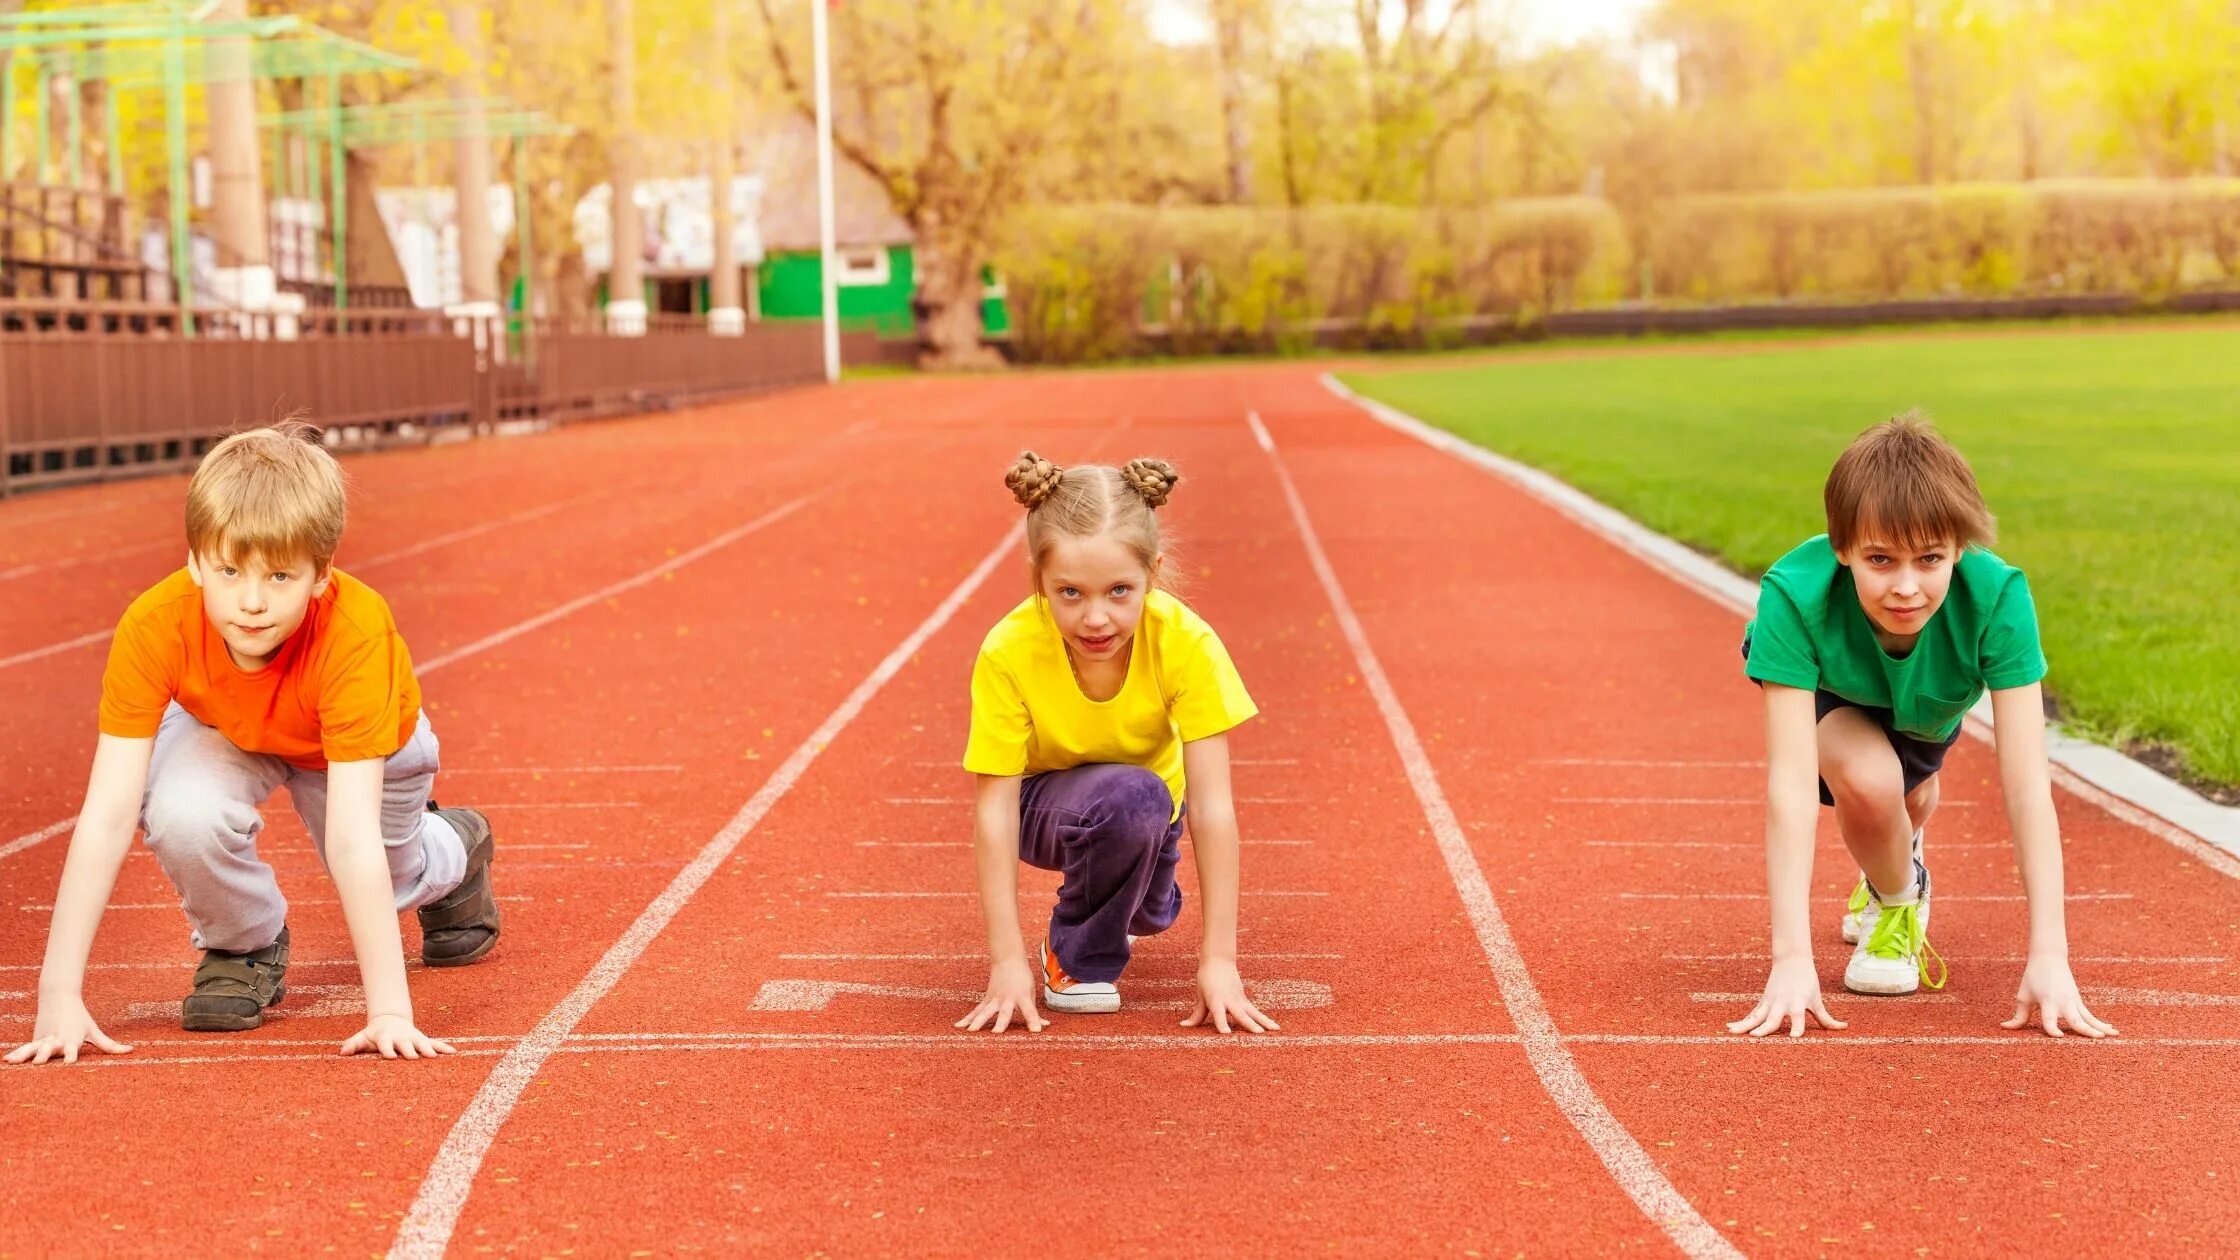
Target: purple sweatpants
1106, 827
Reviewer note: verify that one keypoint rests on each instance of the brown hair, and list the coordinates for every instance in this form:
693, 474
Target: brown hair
273, 493
1091, 499
1901, 482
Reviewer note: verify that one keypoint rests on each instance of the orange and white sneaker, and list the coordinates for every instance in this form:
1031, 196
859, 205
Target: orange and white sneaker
1061, 992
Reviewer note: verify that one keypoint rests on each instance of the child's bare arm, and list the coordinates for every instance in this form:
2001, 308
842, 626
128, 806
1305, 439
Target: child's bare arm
2019, 725
89, 872
1213, 836
1792, 764
995, 851
360, 866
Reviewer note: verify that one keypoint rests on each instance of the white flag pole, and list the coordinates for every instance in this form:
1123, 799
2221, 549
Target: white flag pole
828, 265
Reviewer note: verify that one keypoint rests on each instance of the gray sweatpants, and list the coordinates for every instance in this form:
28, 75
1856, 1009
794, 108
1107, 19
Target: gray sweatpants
202, 822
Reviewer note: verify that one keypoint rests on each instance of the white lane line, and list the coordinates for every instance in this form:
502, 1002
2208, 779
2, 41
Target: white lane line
449, 771
29, 838
426, 1230
1690, 800
1054, 1039
816, 995
2096, 960
115, 553
1638, 761
982, 956
51, 649
1941, 897
511, 805
2117, 995
673, 563
328, 1002
1629, 1165
1943, 846
173, 905
1246, 892
1747, 1000
188, 964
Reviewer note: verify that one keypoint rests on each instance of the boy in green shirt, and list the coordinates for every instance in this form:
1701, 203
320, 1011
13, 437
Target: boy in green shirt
1871, 643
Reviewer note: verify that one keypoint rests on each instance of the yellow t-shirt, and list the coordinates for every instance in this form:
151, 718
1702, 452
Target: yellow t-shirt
1029, 715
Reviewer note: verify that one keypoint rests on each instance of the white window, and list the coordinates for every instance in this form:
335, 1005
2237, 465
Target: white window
863, 268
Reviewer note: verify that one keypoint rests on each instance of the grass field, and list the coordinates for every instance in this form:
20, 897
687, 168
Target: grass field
2111, 458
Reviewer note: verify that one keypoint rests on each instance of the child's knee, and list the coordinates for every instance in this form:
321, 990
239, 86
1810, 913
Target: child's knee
1138, 808
1865, 781
186, 820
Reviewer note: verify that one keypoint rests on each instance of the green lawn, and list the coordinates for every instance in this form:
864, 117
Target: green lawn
2111, 458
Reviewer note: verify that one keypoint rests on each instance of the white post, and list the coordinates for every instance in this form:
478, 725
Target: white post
828, 263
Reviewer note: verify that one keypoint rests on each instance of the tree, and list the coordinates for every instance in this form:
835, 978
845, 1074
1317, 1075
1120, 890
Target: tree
954, 107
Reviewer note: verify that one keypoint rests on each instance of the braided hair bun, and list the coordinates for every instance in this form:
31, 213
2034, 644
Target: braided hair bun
1032, 479
1153, 479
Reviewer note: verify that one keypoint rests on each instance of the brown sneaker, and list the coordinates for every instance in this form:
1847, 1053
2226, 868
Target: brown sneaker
232, 991
463, 926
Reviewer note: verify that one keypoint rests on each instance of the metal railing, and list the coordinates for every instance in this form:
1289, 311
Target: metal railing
84, 398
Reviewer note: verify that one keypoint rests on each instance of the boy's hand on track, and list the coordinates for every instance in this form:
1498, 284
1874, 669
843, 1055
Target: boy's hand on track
1792, 992
1221, 994
395, 1037
2048, 985
1010, 991
62, 1027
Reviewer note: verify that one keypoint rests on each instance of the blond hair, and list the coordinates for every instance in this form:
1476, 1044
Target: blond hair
1901, 482
1090, 500
271, 493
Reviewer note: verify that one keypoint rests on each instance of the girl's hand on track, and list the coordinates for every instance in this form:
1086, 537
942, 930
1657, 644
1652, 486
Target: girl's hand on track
1792, 992
1010, 991
395, 1037
63, 1026
1221, 994
2048, 985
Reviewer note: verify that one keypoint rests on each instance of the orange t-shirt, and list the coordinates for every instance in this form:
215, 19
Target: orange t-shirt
340, 689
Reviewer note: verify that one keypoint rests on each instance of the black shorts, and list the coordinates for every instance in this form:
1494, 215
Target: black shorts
1919, 759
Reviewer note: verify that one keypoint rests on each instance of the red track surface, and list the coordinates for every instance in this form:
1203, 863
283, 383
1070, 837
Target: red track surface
1583, 717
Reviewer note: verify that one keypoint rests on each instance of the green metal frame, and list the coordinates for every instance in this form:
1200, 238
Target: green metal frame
166, 45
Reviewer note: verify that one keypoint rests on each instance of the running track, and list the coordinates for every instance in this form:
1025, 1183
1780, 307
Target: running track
707, 673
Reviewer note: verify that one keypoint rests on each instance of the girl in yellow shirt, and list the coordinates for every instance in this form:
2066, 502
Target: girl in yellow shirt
1093, 703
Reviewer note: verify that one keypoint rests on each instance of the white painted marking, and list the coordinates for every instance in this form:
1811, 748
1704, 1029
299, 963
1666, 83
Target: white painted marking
512, 805
1687, 800
329, 1001
1943, 846
449, 771
2124, 788
84, 558
173, 905
612, 589
1751, 999
2096, 960
2119, 996
14, 995
1639, 761
461, 535
815, 995
575, 844
1629, 1165
188, 964
29, 838
1268, 800
913, 893
426, 1230
977, 957
913, 844
20, 658
929, 800
1941, 897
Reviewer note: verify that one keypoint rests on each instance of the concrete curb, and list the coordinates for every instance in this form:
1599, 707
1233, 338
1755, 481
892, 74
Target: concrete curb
2136, 793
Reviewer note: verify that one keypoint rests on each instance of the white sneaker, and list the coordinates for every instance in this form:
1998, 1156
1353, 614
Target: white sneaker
1061, 992
1856, 910
1889, 957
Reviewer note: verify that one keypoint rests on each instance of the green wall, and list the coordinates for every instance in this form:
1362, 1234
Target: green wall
791, 288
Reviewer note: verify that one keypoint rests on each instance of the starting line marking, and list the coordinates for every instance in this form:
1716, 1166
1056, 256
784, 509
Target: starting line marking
447, 771
1941, 897
816, 995
2094, 960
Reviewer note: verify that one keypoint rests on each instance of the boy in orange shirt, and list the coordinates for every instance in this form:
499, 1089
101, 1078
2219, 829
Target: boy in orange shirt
259, 665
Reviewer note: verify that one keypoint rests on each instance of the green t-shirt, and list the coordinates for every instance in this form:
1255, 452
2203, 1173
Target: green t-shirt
1810, 632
